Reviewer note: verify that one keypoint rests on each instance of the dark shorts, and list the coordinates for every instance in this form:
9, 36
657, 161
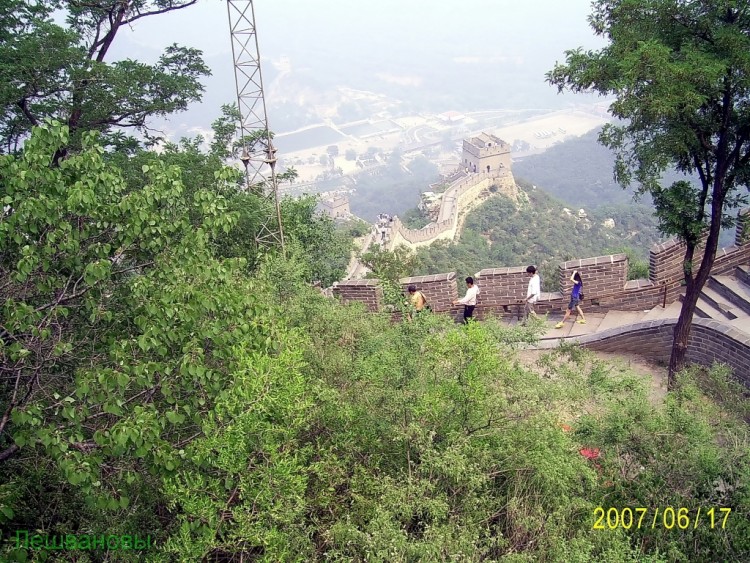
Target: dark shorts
574, 302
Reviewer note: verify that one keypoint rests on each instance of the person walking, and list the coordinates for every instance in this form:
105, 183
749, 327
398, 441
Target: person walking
575, 299
533, 292
469, 301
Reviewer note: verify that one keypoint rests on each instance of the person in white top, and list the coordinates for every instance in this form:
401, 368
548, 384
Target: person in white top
469, 301
532, 293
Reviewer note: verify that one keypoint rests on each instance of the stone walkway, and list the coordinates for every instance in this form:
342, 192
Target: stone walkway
724, 299
599, 322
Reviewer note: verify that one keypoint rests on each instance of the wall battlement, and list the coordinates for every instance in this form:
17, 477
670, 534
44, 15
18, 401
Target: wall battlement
457, 199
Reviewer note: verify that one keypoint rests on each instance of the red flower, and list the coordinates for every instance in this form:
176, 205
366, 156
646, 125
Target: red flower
589, 453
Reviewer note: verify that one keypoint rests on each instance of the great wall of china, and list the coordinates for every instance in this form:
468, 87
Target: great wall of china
722, 335
721, 327
485, 164
463, 195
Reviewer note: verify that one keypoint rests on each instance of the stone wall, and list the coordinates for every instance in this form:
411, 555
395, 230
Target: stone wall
439, 289
457, 199
709, 342
368, 292
414, 238
501, 286
601, 275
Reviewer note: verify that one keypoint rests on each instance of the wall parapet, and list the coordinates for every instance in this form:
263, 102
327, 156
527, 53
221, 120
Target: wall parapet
366, 291
440, 290
710, 341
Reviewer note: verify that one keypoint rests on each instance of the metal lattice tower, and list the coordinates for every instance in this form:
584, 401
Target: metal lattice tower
258, 152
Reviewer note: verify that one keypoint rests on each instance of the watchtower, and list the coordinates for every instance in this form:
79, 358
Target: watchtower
485, 153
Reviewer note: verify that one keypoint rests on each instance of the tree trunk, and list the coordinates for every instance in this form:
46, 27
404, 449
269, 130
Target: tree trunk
681, 333
694, 285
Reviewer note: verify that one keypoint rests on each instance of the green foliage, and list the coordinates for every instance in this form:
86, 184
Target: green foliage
50, 70
414, 219
388, 267
389, 264
356, 227
71, 237
328, 249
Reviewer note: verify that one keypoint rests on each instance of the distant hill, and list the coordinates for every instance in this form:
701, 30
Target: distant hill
541, 232
578, 171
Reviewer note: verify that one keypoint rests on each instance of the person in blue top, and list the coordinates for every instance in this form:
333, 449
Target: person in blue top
575, 299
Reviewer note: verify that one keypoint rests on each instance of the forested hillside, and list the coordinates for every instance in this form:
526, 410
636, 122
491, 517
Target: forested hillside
578, 171
538, 231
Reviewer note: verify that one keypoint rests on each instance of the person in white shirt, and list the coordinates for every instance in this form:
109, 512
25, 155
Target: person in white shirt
532, 293
469, 301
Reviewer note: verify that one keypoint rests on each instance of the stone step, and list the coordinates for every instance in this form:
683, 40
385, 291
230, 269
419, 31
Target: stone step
743, 273
715, 300
706, 310
741, 323
614, 319
736, 292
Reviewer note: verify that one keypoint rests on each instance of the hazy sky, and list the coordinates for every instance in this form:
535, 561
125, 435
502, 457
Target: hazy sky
462, 53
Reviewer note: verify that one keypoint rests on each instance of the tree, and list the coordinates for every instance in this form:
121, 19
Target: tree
680, 72
51, 71
388, 266
327, 249
74, 242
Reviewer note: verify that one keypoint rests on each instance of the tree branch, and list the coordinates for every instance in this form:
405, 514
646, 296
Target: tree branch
157, 12
24, 105
11, 405
8, 452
